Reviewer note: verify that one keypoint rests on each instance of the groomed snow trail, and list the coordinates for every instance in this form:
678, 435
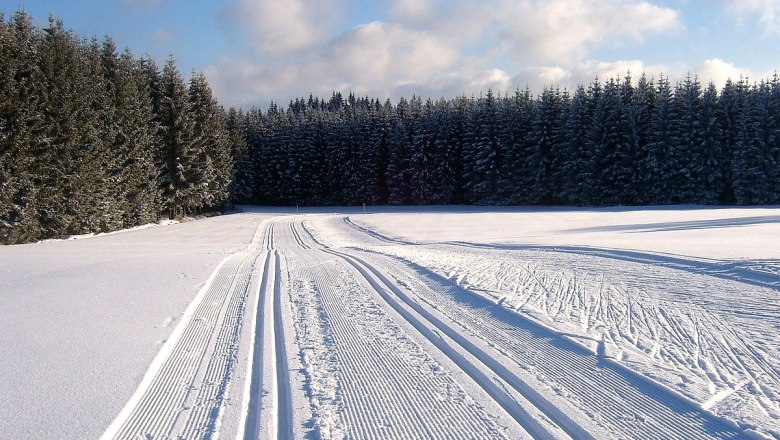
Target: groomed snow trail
268, 397
367, 376
300, 337
183, 393
558, 376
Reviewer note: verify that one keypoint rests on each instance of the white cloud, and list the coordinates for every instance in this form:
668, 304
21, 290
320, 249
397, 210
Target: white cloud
375, 59
718, 71
279, 26
387, 55
766, 11
563, 31
431, 47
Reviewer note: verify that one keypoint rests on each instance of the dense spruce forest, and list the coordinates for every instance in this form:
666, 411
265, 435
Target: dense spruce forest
92, 140
612, 143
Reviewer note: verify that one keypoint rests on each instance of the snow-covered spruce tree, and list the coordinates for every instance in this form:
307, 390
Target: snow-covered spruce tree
573, 172
400, 153
22, 100
368, 146
688, 99
210, 145
425, 178
104, 195
706, 164
484, 153
757, 156
518, 121
73, 177
381, 119
545, 139
640, 116
179, 171
729, 113
457, 137
135, 142
240, 190
255, 131
661, 157
314, 149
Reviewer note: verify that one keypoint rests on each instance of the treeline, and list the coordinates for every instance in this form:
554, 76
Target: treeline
617, 142
92, 140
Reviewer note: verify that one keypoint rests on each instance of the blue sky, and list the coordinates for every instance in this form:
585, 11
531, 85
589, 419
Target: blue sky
255, 51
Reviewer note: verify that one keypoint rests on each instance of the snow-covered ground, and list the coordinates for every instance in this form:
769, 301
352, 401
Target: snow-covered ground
437, 322
687, 297
82, 319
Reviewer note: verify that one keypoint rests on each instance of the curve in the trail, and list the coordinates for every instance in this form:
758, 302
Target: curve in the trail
424, 325
387, 387
624, 403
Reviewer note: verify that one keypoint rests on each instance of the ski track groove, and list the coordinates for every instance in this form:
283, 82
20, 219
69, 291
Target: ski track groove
522, 417
601, 390
253, 421
389, 386
185, 397
284, 393
383, 395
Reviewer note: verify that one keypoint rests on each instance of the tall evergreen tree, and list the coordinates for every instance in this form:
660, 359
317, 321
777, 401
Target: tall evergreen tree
23, 98
180, 173
546, 139
210, 146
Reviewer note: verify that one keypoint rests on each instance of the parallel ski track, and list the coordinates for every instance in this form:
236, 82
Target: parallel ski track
185, 397
628, 405
384, 396
269, 410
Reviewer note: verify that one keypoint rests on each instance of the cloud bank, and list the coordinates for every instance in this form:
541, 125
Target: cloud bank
444, 47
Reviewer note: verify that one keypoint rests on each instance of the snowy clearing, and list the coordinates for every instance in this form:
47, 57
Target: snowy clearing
405, 323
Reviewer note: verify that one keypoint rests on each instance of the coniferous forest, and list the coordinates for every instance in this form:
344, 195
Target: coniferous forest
94, 140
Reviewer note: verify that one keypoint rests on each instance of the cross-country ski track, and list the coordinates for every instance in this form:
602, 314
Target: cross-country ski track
297, 336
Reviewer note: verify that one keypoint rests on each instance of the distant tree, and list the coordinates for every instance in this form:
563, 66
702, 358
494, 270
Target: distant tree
757, 156
546, 139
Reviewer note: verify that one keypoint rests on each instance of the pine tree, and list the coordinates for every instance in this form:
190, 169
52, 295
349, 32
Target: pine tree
484, 153
23, 96
179, 173
135, 143
545, 139
757, 156
573, 171
210, 147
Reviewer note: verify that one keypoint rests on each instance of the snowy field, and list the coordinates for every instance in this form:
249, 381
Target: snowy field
400, 323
